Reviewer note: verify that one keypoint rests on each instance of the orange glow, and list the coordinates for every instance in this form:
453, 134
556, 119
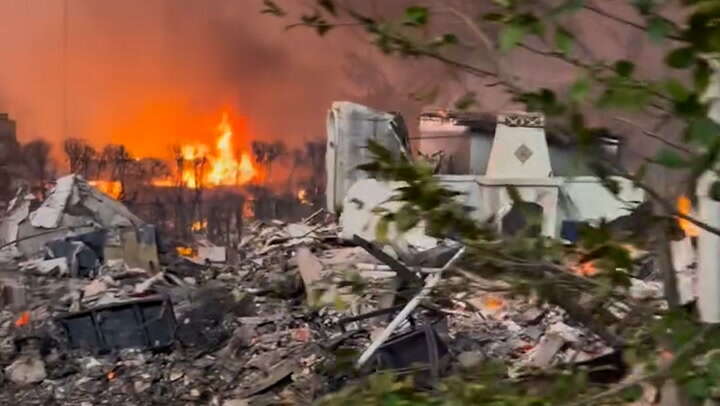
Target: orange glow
249, 208
199, 225
184, 251
585, 269
220, 166
684, 206
110, 188
302, 196
111, 375
23, 320
493, 303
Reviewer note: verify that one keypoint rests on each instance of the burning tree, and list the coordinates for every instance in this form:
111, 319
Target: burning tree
36, 155
79, 155
501, 46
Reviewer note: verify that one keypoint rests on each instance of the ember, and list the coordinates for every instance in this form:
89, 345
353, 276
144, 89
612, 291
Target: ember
684, 206
23, 320
585, 269
302, 196
184, 251
199, 226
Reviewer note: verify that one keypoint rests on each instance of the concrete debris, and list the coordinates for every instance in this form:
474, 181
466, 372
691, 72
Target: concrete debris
350, 127
26, 370
471, 359
259, 321
310, 269
213, 255
545, 351
79, 222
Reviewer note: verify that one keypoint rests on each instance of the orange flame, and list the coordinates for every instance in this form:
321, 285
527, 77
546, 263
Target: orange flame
23, 320
585, 269
684, 206
110, 188
302, 196
221, 167
249, 208
493, 303
111, 375
184, 251
199, 226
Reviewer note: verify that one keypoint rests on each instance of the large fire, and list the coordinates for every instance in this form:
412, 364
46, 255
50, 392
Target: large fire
223, 166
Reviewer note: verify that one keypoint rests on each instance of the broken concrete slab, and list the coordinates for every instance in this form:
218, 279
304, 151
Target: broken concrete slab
17, 211
310, 270
350, 127
57, 266
359, 217
12, 294
214, 255
26, 370
544, 352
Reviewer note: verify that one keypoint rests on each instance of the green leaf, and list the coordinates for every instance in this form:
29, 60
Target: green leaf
383, 227
624, 96
494, 17
272, 9
671, 159
703, 131
644, 6
676, 89
624, 68
698, 388
445, 39
680, 58
658, 28
569, 6
580, 89
328, 5
466, 101
406, 218
416, 16
511, 35
701, 76
564, 40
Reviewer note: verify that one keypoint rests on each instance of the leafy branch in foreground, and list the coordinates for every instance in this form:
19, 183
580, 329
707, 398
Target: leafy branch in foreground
540, 30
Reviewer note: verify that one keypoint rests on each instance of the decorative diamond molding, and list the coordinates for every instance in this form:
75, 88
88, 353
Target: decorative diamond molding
533, 120
523, 153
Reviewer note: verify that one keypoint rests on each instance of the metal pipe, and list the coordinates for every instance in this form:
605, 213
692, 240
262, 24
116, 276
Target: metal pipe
432, 281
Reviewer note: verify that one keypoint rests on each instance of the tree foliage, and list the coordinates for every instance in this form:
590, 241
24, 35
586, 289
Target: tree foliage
691, 44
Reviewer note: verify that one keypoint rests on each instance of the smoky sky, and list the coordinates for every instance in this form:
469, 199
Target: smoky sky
151, 73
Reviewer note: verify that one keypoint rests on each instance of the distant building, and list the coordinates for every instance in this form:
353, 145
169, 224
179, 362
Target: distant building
466, 138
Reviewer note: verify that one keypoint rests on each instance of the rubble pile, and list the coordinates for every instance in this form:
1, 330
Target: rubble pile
278, 319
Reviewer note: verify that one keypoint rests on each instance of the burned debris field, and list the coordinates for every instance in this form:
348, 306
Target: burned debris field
341, 202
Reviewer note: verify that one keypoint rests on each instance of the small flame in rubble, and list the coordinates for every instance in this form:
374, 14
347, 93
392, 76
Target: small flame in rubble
23, 320
110, 188
111, 375
249, 208
184, 251
302, 196
585, 269
684, 206
199, 226
493, 303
